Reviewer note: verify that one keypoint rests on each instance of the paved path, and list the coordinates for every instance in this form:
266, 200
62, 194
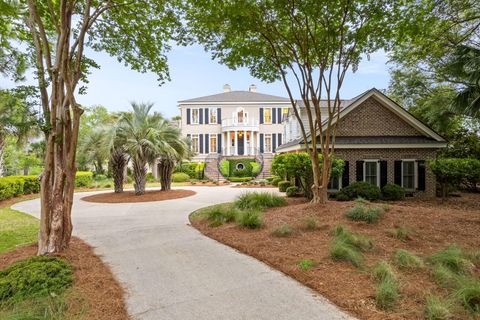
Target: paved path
172, 271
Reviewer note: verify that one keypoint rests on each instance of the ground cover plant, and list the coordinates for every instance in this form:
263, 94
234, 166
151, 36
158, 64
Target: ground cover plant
404, 259
379, 288
369, 214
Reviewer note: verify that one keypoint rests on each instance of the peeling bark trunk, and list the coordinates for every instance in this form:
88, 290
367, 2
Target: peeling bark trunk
166, 167
139, 176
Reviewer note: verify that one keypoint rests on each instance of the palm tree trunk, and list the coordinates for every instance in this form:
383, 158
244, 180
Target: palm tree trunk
118, 163
166, 167
139, 176
2, 145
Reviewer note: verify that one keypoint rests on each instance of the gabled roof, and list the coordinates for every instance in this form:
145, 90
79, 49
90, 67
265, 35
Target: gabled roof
237, 97
431, 137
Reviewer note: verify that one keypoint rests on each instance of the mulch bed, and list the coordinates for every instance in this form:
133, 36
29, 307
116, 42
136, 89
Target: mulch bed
96, 291
435, 226
253, 186
129, 196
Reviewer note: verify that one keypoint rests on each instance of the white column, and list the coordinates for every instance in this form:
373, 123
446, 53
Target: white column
236, 142
228, 143
252, 148
244, 137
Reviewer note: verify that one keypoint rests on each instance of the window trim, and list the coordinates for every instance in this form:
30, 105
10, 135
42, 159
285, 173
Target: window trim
198, 116
271, 115
210, 115
265, 143
377, 161
415, 174
214, 137
197, 136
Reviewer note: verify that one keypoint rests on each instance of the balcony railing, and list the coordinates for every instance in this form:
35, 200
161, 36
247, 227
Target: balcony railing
240, 122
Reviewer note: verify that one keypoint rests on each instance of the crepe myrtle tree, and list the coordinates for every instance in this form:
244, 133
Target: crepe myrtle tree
309, 45
55, 35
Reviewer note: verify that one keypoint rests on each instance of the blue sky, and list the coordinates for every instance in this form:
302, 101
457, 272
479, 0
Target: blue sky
194, 74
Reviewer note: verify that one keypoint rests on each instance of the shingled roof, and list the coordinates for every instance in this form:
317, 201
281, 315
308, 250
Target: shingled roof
237, 96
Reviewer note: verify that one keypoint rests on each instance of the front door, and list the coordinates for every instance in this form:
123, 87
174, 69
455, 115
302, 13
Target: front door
241, 144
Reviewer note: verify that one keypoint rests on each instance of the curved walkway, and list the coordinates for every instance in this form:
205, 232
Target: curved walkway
172, 271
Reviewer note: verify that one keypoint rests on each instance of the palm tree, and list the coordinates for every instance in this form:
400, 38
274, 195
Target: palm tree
94, 147
147, 137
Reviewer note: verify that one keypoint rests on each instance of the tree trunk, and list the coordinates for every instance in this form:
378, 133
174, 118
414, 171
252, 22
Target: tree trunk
166, 167
118, 163
2, 145
139, 175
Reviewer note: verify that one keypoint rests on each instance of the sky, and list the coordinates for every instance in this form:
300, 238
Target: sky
194, 74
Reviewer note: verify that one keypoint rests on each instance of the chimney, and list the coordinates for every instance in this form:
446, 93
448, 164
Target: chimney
226, 88
252, 88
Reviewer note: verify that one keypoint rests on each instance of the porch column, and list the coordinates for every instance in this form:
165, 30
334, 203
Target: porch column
236, 142
252, 148
244, 137
228, 143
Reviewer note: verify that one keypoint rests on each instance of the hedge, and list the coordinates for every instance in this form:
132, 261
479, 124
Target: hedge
283, 185
225, 168
180, 177
246, 172
83, 179
359, 189
14, 186
256, 168
292, 191
240, 179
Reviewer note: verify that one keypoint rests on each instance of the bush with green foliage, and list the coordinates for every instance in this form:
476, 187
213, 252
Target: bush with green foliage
186, 167
256, 168
404, 259
240, 179
83, 179
393, 192
13, 186
359, 189
271, 178
305, 264
453, 172
150, 177
247, 167
35, 277
283, 185
292, 191
31, 184
259, 200
250, 218
276, 181
200, 170
100, 177
225, 168
283, 230
180, 177
362, 213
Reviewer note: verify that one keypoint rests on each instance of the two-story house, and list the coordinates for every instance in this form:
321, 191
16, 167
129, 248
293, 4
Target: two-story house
234, 123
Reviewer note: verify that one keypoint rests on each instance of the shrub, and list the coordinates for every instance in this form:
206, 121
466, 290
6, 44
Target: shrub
100, 177
310, 223
343, 251
240, 179
358, 241
305, 264
454, 259
225, 168
361, 213
393, 192
199, 170
359, 189
406, 260
149, 177
259, 200
402, 233
283, 185
468, 294
382, 270
276, 181
256, 168
453, 172
271, 178
180, 177
387, 293
31, 184
250, 219
444, 277
437, 308
35, 277
284, 230
218, 215
83, 179
187, 167
292, 191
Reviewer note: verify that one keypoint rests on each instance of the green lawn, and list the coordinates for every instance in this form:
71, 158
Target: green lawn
16, 229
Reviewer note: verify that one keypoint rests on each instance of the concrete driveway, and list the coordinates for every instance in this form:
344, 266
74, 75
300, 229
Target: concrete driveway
171, 271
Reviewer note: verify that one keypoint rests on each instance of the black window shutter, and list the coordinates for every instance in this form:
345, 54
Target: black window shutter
207, 115
219, 115
383, 173
274, 142
360, 170
207, 142
261, 115
346, 175
261, 142
219, 142
397, 172
279, 139
274, 115
188, 115
200, 116
421, 175
201, 142
279, 115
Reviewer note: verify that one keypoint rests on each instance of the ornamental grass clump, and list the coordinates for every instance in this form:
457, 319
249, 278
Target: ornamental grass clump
362, 213
468, 294
251, 219
406, 260
218, 215
259, 200
383, 270
437, 308
387, 293
284, 230
347, 246
453, 258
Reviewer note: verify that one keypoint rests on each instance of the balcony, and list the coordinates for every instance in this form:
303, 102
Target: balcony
235, 124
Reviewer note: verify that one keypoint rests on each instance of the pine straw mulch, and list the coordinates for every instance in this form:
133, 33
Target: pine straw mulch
129, 196
97, 294
435, 225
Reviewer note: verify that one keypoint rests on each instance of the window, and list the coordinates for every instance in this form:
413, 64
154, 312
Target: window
195, 144
195, 116
408, 174
284, 114
268, 143
371, 172
334, 184
213, 143
212, 115
267, 115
